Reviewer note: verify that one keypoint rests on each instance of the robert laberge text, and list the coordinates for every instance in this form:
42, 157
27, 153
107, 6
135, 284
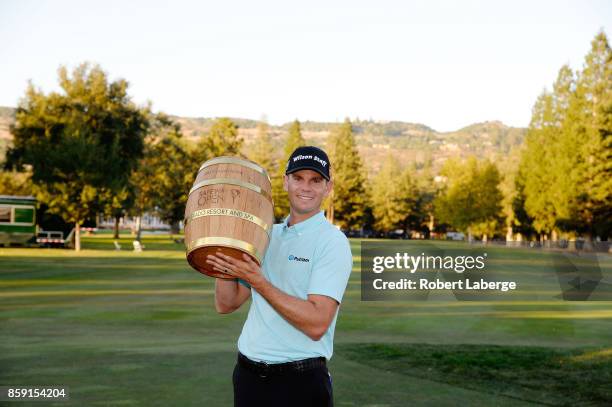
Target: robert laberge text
437, 284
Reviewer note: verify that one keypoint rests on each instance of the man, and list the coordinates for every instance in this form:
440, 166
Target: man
288, 335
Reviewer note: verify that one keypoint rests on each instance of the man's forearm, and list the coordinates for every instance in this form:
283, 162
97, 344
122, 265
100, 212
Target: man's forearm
226, 295
302, 314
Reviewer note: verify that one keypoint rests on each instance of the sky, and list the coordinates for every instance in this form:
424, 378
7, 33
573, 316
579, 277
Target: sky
445, 64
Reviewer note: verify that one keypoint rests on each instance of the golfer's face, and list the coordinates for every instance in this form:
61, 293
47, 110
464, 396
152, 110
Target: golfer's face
306, 190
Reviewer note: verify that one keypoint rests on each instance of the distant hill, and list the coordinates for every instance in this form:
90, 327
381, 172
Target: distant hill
409, 142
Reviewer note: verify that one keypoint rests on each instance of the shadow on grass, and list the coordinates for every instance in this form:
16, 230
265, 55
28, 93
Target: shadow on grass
535, 374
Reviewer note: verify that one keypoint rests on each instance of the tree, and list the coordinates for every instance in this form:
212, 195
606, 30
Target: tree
294, 138
488, 200
79, 142
165, 174
508, 166
472, 200
424, 192
279, 195
15, 183
536, 168
223, 139
116, 204
521, 221
566, 167
262, 150
175, 180
586, 146
349, 199
393, 198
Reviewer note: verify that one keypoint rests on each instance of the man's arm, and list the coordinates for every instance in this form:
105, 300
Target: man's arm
229, 295
311, 316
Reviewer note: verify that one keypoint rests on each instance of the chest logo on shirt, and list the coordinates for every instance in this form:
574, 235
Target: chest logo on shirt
295, 258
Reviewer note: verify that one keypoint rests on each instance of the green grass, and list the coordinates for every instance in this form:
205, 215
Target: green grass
546, 375
125, 328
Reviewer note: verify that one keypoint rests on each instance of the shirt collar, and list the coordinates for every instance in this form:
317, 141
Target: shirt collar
306, 225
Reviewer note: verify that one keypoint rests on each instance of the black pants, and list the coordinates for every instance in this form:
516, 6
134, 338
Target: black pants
300, 389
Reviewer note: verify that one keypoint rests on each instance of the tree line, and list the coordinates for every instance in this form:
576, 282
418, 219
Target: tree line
565, 173
89, 150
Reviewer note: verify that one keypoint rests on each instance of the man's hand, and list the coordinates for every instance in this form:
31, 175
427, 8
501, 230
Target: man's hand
246, 270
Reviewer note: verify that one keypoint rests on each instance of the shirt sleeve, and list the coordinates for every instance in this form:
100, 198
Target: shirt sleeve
332, 268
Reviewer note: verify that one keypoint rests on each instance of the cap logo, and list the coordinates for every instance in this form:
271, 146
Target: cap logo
309, 157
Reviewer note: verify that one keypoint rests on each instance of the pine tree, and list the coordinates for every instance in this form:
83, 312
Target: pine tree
535, 167
587, 145
349, 197
566, 167
223, 139
294, 140
393, 196
541, 165
262, 150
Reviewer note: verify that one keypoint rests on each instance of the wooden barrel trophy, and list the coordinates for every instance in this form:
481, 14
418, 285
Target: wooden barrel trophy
230, 210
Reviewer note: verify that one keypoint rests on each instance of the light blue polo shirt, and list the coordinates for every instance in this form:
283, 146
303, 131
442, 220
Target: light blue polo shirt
311, 257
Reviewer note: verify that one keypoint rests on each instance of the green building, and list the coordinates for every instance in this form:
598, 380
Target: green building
17, 219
